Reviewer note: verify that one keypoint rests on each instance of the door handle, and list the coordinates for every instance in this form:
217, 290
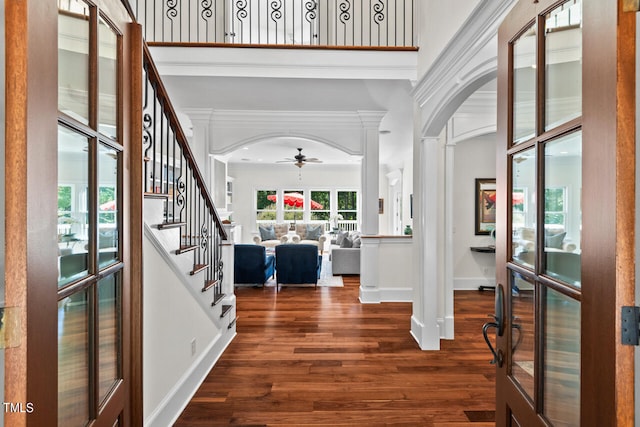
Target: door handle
497, 324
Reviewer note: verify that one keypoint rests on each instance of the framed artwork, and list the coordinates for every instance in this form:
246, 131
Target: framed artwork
485, 205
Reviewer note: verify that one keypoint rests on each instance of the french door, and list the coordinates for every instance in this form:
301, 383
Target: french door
566, 129
93, 286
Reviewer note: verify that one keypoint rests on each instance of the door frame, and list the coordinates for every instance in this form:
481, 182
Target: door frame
31, 208
608, 245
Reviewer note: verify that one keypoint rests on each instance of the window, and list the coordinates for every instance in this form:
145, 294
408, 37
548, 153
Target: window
293, 205
266, 206
555, 208
348, 205
320, 205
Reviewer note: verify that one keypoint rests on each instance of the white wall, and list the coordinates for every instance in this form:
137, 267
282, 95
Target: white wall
172, 319
439, 21
474, 158
250, 177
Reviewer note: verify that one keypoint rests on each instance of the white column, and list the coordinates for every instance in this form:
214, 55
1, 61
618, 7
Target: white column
199, 143
370, 170
449, 171
424, 321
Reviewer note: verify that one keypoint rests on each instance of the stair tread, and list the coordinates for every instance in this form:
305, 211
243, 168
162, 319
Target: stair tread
225, 309
156, 195
197, 268
217, 299
186, 248
166, 225
209, 284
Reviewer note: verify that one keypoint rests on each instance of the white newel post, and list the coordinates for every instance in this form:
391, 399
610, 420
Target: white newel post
424, 321
370, 193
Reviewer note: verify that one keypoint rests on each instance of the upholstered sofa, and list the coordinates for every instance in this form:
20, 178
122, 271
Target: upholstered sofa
310, 234
252, 265
272, 235
554, 239
297, 264
345, 253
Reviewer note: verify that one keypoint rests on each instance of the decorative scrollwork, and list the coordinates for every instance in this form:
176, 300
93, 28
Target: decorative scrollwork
311, 10
181, 189
242, 9
206, 9
276, 10
378, 16
147, 137
172, 10
345, 11
204, 236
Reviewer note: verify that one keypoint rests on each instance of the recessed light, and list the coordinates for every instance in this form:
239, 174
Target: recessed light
246, 160
385, 132
245, 148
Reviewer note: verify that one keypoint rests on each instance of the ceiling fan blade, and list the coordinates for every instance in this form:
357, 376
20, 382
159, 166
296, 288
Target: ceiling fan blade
314, 160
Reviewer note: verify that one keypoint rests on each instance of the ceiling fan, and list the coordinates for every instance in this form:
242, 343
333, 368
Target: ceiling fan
300, 159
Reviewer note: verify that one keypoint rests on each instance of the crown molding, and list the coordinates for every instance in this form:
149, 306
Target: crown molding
285, 63
478, 29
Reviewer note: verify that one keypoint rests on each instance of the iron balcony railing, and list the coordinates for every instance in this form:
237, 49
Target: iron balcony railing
171, 173
327, 23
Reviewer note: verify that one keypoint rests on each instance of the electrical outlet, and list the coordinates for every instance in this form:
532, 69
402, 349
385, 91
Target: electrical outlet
193, 347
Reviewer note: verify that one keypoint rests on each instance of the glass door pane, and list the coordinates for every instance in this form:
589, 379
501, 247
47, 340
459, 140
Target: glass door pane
562, 208
107, 80
561, 359
523, 205
73, 360
73, 59
563, 64
109, 332
108, 217
524, 86
523, 333
73, 205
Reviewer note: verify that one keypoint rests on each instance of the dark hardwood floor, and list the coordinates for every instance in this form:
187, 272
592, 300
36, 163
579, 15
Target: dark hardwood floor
306, 357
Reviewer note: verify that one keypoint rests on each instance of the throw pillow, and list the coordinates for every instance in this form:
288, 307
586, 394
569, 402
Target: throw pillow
554, 241
267, 232
346, 243
356, 242
314, 232
341, 236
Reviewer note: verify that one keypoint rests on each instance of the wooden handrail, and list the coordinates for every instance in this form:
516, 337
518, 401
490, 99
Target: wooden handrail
161, 93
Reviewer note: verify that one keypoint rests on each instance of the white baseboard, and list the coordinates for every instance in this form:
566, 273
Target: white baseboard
378, 295
181, 394
427, 338
471, 283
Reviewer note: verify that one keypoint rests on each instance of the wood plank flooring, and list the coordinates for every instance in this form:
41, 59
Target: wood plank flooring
317, 357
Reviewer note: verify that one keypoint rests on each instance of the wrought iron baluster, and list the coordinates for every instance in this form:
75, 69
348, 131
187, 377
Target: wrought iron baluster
378, 16
310, 14
276, 15
241, 15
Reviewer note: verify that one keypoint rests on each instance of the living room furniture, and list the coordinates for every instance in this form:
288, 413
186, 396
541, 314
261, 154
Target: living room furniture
554, 238
297, 264
252, 265
271, 235
345, 253
485, 250
310, 234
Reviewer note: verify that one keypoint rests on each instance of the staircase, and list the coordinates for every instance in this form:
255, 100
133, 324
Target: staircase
181, 221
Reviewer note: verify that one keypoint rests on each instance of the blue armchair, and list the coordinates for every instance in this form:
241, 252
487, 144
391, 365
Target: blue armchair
297, 264
252, 265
